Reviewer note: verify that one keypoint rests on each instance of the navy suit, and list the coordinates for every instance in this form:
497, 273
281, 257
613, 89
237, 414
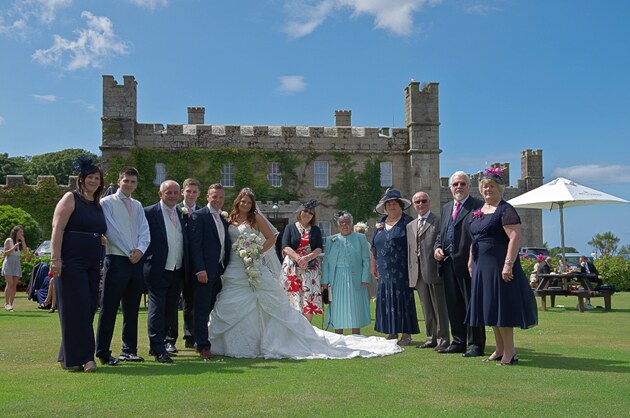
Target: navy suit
205, 253
454, 271
187, 299
163, 285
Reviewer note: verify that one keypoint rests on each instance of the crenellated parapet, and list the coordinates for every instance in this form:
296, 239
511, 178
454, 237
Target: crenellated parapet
14, 181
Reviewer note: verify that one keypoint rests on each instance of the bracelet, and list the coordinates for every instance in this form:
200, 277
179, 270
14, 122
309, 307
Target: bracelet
508, 261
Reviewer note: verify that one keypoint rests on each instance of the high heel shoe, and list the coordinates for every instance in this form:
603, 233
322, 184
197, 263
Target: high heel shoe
89, 367
392, 337
487, 360
511, 363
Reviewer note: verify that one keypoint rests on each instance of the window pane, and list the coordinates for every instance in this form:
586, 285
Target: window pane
274, 177
227, 175
320, 174
160, 173
386, 174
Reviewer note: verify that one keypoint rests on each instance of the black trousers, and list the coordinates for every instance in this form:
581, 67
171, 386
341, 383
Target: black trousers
188, 303
122, 282
163, 304
457, 291
205, 297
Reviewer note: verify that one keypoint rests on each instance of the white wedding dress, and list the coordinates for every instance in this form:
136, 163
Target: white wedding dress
251, 322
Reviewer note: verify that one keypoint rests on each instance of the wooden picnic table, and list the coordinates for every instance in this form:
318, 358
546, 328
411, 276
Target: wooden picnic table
570, 284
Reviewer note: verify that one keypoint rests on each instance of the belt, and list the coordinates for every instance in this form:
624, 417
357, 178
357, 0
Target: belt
93, 234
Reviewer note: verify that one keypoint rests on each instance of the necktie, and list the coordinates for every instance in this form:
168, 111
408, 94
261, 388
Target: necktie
127, 202
420, 225
173, 216
458, 206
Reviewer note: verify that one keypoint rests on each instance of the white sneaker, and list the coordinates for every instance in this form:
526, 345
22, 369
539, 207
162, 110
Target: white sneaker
588, 306
9, 308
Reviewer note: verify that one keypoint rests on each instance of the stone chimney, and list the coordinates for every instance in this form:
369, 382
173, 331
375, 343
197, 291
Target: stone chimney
196, 115
342, 117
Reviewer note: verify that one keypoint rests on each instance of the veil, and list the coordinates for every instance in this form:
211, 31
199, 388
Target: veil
269, 258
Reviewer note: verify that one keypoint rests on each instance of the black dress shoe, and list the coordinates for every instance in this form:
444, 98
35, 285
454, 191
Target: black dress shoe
473, 353
170, 348
452, 349
427, 345
130, 357
163, 358
109, 360
189, 343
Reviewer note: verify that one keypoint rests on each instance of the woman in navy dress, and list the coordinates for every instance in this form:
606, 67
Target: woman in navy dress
395, 304
78, 226
500, 293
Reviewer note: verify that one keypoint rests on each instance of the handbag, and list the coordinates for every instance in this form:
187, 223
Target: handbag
325, 296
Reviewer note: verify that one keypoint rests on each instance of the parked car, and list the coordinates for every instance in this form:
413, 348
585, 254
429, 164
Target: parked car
43, 249
573, 260
528, 255
535, 250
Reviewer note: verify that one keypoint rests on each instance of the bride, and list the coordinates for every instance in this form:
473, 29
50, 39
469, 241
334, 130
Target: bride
252, 316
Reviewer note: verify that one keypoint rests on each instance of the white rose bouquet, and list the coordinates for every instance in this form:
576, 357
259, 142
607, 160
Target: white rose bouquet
249, 247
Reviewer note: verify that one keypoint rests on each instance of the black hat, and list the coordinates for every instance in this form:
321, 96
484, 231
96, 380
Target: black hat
84, 166
391, 194
311, 204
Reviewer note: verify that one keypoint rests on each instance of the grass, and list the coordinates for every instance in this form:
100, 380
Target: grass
572, 363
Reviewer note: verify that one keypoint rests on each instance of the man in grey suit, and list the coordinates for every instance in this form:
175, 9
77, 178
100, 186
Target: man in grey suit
421, 235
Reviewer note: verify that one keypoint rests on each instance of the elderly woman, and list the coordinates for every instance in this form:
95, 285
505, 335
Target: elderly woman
395, 304
301, 243
500, 294
78, 226
346, 270
11, 265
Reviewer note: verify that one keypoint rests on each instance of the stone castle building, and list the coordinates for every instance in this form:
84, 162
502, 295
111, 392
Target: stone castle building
410, 154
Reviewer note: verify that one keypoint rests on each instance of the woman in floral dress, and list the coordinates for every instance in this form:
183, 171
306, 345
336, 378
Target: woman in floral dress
301, 274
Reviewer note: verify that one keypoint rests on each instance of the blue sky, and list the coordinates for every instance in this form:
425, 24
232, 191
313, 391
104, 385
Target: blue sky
513, 75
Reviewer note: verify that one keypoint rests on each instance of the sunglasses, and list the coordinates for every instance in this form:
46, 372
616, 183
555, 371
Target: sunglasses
459, 184
418, 201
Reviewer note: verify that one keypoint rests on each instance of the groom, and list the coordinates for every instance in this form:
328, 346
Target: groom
209, 254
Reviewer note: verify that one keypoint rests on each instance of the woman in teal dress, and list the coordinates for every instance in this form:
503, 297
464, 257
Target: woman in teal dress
346, 273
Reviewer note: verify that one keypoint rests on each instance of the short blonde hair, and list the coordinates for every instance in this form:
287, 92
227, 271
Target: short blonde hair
484, 180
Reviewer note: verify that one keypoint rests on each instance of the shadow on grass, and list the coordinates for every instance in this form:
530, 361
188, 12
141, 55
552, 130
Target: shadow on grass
564, 362
192, 366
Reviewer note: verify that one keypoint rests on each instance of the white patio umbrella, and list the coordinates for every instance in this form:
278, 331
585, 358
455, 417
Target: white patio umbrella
559, 194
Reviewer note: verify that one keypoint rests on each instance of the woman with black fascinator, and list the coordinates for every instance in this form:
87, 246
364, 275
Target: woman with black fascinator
77, 228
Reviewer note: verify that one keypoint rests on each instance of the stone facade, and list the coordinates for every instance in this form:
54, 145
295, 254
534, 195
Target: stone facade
413, 151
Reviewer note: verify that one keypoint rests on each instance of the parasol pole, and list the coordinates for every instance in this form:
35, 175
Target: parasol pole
563, 265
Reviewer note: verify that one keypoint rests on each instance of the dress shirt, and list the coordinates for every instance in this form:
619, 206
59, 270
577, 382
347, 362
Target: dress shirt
175, 239
125, 233
220, 229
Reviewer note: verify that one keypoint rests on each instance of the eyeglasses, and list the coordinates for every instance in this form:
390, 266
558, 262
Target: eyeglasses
418, 201
459, 184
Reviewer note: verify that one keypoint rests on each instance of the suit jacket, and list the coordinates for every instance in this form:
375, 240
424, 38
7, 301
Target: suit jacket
425, 263
543, 268
359, 260
155, 257
205, 245
462, 238
591, 268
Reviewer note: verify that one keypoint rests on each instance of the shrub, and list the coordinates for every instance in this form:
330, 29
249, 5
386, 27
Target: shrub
528, 265
614, 270
11, 216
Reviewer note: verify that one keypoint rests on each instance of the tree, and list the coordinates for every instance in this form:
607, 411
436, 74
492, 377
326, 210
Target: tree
625, 249
354, 191
606, 243
11, 216
58, 164
11, 165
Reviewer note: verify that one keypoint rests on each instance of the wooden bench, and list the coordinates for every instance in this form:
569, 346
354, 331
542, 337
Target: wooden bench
581, 294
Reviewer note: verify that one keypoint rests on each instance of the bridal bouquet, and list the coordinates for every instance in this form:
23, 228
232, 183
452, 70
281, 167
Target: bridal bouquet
249, 248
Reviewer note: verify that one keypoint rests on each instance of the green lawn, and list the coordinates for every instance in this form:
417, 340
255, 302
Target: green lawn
571, 364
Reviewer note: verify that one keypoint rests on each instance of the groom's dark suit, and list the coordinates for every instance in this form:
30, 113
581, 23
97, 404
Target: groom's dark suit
164, 284
205, 253
456, 243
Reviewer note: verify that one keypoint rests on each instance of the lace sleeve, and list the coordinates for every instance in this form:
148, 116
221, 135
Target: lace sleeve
509, 215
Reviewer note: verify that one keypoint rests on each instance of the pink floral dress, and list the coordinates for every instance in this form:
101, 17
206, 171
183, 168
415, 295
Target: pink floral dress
303, 286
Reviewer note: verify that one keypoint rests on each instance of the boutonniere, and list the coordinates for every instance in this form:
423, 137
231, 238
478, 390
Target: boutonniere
379, 226
224, 215
184, 210
477, 214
